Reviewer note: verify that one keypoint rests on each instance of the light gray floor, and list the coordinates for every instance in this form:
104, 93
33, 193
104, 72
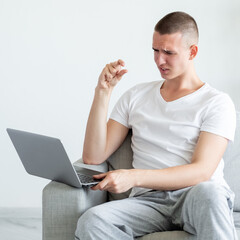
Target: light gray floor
20, 224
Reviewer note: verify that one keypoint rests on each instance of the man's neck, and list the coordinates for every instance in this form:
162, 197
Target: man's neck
188, 82
173, 89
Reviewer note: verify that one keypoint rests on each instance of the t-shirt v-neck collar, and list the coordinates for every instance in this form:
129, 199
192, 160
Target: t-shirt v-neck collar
179, 99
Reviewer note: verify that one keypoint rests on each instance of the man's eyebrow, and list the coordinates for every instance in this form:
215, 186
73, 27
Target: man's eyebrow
172, 52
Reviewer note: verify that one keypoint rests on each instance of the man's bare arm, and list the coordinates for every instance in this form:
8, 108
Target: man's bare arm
207, 155
102, 138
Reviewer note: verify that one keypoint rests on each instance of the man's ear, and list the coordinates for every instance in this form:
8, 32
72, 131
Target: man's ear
193, 52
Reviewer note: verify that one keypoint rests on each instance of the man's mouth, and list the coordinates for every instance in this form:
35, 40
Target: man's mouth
163, 70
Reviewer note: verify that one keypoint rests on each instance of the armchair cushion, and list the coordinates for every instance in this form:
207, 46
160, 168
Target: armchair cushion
169, 235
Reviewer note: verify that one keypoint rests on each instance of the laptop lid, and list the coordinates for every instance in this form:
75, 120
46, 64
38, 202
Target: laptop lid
44, 157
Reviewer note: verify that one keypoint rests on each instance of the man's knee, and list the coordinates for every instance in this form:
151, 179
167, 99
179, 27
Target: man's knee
208, 193
88, 222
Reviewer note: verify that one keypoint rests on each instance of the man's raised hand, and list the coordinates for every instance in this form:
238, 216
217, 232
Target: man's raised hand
111, 74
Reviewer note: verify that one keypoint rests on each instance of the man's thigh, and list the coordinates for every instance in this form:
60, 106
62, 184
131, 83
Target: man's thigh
207, 211
141, 215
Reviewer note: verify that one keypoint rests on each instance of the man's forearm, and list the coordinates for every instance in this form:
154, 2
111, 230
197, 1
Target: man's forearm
95, 142
96, 131
168, 179
172, 178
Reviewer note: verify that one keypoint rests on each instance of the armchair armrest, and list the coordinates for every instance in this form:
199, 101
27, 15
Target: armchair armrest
62, 205
103, 167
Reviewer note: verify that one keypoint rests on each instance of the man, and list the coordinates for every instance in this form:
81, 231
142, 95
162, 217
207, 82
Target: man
181, 127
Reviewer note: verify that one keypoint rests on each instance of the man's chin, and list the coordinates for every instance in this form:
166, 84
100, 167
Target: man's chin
169, 76
166, 77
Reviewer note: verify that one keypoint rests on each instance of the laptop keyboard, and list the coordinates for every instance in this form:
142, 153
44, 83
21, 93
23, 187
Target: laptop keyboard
87, 179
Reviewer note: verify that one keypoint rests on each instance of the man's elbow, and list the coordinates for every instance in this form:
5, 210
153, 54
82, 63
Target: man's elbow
206, 176
87, 160
91, 160
200, 176
202, 173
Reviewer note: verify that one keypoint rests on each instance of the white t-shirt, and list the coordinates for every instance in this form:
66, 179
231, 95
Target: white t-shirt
165, 133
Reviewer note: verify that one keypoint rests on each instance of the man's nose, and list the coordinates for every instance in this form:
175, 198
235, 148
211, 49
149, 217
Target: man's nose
160, 59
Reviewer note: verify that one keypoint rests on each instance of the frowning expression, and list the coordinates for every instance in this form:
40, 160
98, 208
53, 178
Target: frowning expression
171, 54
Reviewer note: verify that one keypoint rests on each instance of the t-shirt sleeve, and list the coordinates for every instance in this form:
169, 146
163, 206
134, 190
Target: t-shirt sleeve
220, 117
120, 112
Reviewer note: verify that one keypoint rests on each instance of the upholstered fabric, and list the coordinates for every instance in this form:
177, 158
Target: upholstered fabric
232, 165
62, 206
170, 235
121, 159
236, 216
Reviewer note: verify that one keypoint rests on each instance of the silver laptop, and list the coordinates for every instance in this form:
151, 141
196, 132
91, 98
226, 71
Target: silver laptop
46, 157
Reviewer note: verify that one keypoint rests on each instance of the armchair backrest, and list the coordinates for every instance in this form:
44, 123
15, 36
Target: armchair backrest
121, 159
232, 165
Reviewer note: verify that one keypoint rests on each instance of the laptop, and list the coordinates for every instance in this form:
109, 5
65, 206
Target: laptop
46, 157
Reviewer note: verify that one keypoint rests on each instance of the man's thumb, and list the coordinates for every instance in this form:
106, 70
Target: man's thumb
121, 73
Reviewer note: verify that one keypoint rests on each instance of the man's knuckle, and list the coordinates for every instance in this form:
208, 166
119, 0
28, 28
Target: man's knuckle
108, 76
110, 177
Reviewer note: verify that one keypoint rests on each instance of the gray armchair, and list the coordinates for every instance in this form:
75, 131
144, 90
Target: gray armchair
63, 204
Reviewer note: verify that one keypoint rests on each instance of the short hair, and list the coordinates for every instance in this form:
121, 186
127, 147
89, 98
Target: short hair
179, 22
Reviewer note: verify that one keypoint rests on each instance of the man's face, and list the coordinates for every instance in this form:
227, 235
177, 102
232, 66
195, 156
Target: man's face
171, 55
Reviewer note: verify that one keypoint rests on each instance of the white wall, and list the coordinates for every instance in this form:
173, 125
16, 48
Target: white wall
51, 53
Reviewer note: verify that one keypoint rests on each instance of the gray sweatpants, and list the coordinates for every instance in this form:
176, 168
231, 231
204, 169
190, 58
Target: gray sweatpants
205, 211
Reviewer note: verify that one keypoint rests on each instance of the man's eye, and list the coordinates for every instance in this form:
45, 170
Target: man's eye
168, 52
